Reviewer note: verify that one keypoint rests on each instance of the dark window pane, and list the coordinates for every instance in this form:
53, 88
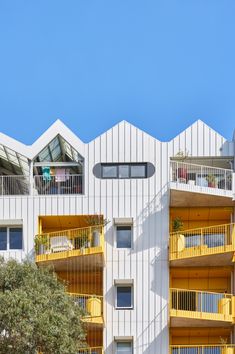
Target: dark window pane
124, 348
124, 296
16, 238
3, 238
109, 171
124, 234
138, 171
123, 171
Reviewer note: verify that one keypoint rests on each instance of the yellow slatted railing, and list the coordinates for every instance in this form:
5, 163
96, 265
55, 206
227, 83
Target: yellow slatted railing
203, 349
201, 301
202, 241
92, 350
91, 304
70, 240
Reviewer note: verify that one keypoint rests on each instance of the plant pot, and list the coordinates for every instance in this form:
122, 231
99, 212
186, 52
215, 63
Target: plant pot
182, 172
211, 184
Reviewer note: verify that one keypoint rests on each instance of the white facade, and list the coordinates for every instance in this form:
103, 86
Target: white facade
145, 200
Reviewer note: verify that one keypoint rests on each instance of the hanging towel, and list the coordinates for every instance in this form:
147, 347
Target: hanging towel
46, 173
60, 175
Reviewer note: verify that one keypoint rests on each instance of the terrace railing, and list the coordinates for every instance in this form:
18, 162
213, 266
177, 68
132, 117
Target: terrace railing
92, 305
190, 301
80, 239
202, 241
61, 184
200, 175
91, 350
14, 185
203, 349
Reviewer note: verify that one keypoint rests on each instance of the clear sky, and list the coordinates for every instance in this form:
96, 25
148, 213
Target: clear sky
159, 64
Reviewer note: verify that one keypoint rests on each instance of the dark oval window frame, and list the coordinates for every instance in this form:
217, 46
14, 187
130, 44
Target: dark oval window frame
149, 169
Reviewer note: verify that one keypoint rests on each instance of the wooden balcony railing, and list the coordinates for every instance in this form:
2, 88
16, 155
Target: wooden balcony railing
202, 241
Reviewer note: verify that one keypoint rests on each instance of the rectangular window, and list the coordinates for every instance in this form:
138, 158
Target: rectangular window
11, 238
124, 348
123, 171
138, 171
124, 297
124, 236
109, 171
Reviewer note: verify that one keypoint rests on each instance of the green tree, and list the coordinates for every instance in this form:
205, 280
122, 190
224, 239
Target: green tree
36, 312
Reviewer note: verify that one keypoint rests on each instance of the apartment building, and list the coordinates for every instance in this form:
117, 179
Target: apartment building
141, 230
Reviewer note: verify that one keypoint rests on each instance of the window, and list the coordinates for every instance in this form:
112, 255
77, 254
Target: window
124, 348
124, 297
131, 170
11, 238
124, 236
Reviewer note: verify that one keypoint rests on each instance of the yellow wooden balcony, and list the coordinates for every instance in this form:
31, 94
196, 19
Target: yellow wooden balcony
71, 249
91, 350
203, 349
92, 306
207, 246
200, 308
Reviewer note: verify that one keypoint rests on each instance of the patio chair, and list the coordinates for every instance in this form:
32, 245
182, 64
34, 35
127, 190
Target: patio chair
60, 244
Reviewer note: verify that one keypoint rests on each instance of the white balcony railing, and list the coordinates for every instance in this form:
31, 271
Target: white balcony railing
62, 184
201, 176
14, 185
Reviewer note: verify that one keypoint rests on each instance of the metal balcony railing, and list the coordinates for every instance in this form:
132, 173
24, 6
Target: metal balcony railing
202, 241
203, 349
80, 239
191, 301
92, 350
91, 304
200, 175
14, 185
61, 184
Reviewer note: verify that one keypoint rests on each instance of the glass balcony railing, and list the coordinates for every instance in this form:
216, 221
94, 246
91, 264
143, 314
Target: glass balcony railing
202, 241
201, 176
200, 304
86, 240
203, 349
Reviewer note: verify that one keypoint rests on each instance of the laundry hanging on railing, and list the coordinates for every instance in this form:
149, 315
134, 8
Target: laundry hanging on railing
61, 174
46, 173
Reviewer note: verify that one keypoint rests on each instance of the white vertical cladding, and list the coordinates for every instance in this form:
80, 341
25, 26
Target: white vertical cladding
147, 202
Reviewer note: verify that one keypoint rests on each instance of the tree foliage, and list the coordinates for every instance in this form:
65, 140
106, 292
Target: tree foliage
36, 312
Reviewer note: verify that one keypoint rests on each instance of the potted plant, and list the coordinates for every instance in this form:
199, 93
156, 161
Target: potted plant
182, 168
178, 240
96, 222
41, 244
177, 224
211, 181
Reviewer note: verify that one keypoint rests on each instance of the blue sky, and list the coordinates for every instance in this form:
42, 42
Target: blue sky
159, 64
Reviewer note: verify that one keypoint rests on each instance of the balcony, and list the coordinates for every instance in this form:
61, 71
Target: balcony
200, 181
72, 249
92, 306
200, 308
203, 349
14, 185
92, 350
60, 184
208, 246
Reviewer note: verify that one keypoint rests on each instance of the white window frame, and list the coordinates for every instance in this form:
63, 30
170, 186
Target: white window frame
124, 285
8, 227
116, 244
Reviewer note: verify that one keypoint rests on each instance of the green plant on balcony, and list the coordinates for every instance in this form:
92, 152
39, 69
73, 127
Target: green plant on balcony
177, 224
96, 220
41, 244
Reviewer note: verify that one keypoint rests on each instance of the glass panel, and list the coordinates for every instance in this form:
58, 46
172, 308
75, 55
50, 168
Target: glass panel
124, 296
3, 238
16, 238
124, 348
124, 234
123, 171
109, 171
138, 171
